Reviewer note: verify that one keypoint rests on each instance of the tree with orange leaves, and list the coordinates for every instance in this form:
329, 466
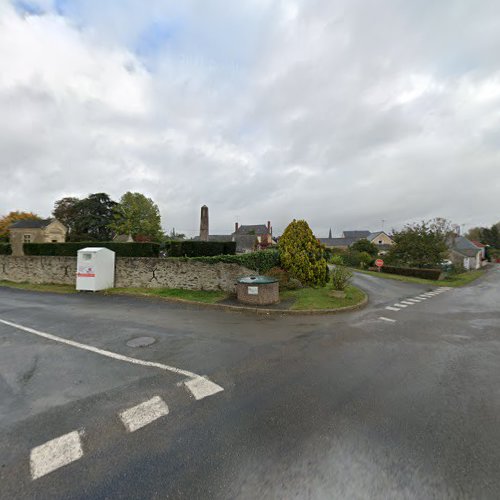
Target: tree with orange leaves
12, 217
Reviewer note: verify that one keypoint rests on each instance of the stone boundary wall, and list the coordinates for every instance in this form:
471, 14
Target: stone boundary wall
129, 272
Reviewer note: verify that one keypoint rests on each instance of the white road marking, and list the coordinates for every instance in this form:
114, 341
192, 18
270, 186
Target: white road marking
421, 297
201, 387
407, 302
390, 308
143, 414
400, 305
387, 319
54, 454
414, 300
194, 377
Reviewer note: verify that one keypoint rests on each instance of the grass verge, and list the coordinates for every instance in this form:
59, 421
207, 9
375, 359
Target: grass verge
205, 296
318, 298
40, 288
453, 281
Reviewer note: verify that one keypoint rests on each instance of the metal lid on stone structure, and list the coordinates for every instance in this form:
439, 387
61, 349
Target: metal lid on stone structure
257, 280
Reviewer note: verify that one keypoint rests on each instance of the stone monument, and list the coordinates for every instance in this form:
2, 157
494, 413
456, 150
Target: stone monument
204, 223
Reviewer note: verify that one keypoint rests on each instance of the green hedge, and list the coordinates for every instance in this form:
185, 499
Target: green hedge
199, 248
5, 249
71, 249
428, 274
261, 261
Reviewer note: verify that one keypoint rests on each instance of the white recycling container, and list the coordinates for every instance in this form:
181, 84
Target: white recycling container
95, 269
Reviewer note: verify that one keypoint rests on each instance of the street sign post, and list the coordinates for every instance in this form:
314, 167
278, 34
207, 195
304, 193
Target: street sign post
379, 263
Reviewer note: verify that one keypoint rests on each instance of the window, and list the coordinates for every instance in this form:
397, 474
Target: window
27, 238
380, 242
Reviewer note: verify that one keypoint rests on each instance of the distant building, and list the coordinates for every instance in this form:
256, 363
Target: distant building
465, 253
35, 231
379, 238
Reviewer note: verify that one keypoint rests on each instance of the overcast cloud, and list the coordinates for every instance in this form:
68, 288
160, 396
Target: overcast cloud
342, 112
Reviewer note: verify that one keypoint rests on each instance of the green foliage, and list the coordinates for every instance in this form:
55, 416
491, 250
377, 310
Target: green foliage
302, 255
5, 249
71, 249
340, 278
285, 282
337, 260
365, 260
366, 246
428, 274
491, 236
137, 215
420, 245
261, 261
192, 248
88, 219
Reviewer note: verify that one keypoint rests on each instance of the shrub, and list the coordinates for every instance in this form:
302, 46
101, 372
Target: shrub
199, 248
428, 274
285, 282
337, 260
352, 258
71, 249
5, 249
365, 259
302, 255
364, 245
261, 261
340, 277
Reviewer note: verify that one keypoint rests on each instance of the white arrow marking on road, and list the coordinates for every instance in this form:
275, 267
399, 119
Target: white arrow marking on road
193, 377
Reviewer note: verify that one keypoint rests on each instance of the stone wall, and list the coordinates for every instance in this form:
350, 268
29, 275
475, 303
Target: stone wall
130, 272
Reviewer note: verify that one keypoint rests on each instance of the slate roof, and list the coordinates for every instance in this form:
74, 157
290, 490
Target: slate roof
464, 246
357, 235
30, 224
258, 229
337, 242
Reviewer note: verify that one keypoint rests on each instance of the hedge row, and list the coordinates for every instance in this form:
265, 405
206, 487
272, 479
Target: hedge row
428, 274
261, 262
199, 248
5, 249
71, 249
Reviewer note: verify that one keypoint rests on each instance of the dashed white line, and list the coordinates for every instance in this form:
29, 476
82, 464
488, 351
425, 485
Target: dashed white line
195, 381
400, 305
407, 302
54, 454
390, 308
389, 320
143, 414
421, 297
201, 387
415, 301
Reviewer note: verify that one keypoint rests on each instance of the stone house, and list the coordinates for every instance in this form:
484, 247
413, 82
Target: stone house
35, 231
379, 238
465, 253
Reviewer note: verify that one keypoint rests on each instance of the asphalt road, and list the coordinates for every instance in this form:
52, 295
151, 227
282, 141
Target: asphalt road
346, 406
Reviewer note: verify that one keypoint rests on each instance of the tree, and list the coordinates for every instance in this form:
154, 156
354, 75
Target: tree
491, 236
302, 255
65, 211
475, 233
421, 245
364, 245
137, 215
12, 217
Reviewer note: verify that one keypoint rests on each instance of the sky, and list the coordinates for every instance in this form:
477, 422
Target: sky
350, 114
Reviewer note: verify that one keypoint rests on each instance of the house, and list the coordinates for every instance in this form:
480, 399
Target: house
464, 252
35, 231
483, 250
263, 233
379, 238
123, 238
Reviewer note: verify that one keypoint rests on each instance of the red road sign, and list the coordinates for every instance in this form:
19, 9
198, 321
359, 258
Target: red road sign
379, 262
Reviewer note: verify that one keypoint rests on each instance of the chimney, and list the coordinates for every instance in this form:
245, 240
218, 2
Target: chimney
269, 227
235, 227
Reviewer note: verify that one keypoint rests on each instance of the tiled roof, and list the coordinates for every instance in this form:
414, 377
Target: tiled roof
30, 224
356, 234
337, 242
258, 229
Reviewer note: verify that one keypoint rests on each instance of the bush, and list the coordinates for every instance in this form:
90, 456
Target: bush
5, 249
302, 255
337, 260
428, 274
285, 282
365, 260
340, 277
261, 261
199, 248
364, 245
71, 249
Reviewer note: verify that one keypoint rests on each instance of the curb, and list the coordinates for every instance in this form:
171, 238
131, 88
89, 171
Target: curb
255, 310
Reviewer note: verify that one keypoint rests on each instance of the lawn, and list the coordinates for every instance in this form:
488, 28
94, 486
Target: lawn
318, 298
40, 288
205, 296
454, 281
